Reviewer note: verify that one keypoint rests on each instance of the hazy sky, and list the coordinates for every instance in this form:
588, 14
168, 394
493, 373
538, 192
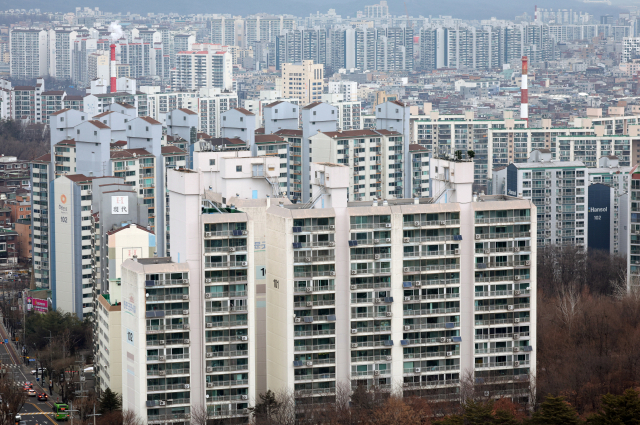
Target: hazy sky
465, 9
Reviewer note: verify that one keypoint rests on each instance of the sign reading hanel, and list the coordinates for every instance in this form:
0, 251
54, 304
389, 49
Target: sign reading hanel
119, 205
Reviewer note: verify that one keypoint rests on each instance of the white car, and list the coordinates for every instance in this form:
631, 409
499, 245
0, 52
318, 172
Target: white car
40, 371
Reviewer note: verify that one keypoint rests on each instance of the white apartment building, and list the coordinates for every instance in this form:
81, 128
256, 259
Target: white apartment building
29, 53
349, 89
163, 378
61, 41
379, 293
630, 48
559, 191
375, 171
98, 66
210, 66
349, 115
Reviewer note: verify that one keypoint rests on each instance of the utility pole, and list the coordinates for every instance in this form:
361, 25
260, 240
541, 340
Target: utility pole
94, 413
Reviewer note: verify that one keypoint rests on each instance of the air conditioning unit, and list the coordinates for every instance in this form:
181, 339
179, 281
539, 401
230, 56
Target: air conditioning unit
207, 281
376, 372
209, 325
162, 373
209, 384
457, 251
186, 326
209, 355
186, 341
185, 297
416, 223
245, 397
161, 358
527, 263
354, 331
406, 269
354, 272
516, 336
389, 314
443, 339
207, 234
516, 349
185, 312
232, 249
163, 403
244, 338
407, 298
516, 292
376, 241
387, 240
405, 240
185, 280
297, 320
354, 345
209, 369
307, 259
516, 277
244, 232
332, 273
509, 307
516, 363
309, 363
417, 369
332, 227
207, 294
354, 287
443, 222
486, 393
376, 256
417, 283
407, 328
309, 303
449, 353
187, 386
378, 300
332, 243
309, 289
161, 342
244, 263
388, 358
477, 237
388, 225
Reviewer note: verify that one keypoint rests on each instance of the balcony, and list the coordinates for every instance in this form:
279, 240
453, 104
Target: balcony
500, 307
322, 347
503, 235
315, 377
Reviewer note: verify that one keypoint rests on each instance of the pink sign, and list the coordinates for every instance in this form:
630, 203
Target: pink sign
41, 306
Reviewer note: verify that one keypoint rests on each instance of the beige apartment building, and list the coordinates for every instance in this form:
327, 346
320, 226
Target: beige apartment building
303, 80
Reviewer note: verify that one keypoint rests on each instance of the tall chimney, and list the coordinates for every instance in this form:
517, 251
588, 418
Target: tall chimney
113, 68
524, 92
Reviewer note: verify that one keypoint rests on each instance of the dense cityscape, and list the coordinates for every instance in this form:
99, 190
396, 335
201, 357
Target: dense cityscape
217, 219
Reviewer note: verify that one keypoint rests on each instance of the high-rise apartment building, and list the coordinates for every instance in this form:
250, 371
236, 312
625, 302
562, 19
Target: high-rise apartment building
209, 67
376, 294
61, 46
304, 81
29, 53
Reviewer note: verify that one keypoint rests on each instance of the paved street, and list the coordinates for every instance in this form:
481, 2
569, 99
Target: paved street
34, 411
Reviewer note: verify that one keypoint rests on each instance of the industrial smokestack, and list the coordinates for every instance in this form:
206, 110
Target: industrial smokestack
113, 68
524, 92
116, 34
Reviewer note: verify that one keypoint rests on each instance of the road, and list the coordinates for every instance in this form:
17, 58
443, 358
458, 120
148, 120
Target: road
33, 412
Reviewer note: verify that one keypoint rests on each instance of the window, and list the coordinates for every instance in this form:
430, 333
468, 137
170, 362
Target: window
95, 133
239, 168
212, 162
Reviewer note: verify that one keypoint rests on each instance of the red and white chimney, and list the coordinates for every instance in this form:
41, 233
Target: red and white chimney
524, 91
113, 68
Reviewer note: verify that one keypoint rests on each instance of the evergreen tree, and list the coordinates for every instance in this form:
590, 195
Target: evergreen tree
450, 420
504, 417
555, 411
268, 407
618, 409
478, 413
109, 401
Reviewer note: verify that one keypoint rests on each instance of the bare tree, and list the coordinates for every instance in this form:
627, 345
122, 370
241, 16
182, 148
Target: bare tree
13, 398
129, 417
568, 303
